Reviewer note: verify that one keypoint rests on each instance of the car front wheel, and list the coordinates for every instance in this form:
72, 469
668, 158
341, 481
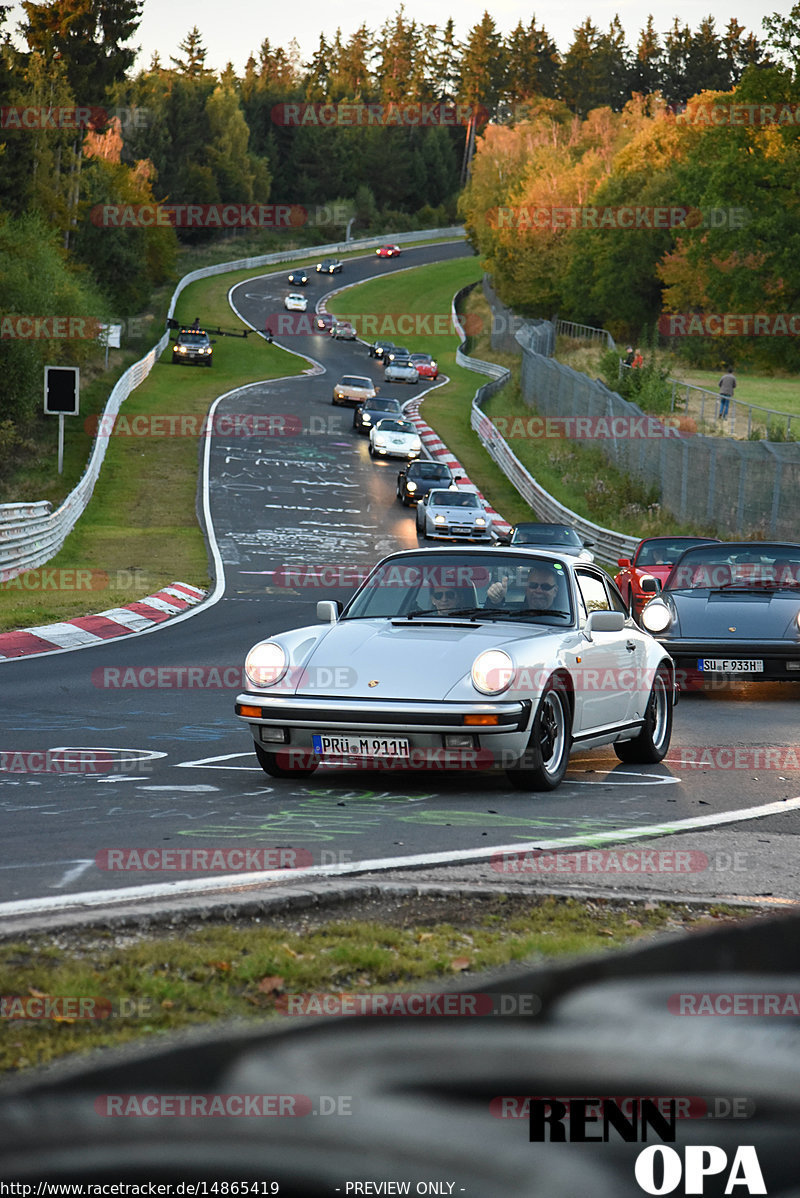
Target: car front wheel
289, 763
547, 756
652, 743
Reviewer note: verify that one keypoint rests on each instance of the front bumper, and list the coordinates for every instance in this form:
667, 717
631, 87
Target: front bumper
394, 451
781, 659
458, 532
427, 725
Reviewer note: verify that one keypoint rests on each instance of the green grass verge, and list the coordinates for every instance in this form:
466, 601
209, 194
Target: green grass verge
140, 530
155, 983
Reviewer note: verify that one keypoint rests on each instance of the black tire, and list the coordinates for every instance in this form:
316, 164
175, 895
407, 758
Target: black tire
652, 743
547, 756
276, 765
371, 450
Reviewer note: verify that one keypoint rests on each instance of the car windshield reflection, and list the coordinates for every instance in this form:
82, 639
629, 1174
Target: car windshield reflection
469, 586
661, 552
454, 499
722, 567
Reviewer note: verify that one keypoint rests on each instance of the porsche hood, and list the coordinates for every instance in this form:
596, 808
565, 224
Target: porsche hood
405, 659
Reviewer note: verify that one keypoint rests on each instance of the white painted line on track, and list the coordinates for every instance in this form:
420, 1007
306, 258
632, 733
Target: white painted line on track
72, 874
246, 880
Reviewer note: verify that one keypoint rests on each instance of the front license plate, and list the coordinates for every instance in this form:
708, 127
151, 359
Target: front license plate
731, 665
360, 746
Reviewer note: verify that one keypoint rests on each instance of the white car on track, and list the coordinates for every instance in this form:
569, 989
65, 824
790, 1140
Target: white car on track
294, 302
394, 438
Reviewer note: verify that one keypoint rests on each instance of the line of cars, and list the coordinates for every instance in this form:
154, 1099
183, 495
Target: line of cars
400, 365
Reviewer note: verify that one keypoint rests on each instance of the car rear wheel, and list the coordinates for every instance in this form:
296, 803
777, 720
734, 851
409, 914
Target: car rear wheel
547, 756
652, 743
289, 763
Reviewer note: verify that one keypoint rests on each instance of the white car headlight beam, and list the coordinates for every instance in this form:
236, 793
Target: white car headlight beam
656, 617
492, 672
266, 663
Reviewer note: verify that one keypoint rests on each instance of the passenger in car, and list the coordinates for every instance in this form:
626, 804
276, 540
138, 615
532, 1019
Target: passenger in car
541, 588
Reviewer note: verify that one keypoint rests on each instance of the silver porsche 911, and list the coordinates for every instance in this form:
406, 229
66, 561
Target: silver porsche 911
453, 515
463, 658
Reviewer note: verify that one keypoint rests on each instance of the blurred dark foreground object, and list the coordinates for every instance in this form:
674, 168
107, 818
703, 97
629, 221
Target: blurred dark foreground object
419, 1100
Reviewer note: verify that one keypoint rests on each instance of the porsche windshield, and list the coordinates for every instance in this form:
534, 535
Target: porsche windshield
753, 566
488, 586
396, 426
454, 499
545, 534
664, 552
429, 470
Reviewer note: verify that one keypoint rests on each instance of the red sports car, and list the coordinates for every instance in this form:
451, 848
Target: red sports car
388, 251
653, 559
425, 366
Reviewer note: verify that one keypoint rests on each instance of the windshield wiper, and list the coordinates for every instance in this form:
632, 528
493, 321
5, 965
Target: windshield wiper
523, 611
431, 611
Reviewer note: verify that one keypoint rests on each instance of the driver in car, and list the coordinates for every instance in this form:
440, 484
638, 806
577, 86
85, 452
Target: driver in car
541, 588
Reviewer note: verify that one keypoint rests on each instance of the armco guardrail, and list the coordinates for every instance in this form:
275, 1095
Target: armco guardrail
608, 545
30, 534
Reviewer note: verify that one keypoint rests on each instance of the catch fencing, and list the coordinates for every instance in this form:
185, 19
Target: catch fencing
31, 534
742, 488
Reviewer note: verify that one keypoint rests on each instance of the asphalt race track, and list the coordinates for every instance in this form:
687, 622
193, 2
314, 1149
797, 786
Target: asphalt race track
285, 511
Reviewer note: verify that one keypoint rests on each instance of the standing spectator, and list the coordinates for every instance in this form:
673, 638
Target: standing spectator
727, 386
628, 359
638, 360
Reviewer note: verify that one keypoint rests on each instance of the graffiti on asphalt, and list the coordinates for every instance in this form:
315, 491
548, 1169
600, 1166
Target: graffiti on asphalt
322, 815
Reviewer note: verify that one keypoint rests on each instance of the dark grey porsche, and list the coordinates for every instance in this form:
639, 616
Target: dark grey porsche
732, 609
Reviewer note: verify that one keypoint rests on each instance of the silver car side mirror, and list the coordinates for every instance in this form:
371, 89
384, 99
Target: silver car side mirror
328, 611
603, 621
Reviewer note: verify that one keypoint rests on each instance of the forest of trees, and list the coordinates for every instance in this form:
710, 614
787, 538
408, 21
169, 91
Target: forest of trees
537, 187
596, 120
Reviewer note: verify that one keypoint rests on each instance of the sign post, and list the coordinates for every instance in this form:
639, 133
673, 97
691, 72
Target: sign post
62, 386
109, 336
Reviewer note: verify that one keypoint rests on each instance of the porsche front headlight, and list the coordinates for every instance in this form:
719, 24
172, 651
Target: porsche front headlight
411, 486
266, 663
656, 617
492, 672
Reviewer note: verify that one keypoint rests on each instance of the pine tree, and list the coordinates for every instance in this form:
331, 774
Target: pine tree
89, 36
193, 65
533, 63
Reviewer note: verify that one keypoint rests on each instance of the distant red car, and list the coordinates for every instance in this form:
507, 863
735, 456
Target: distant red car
652, 559
388, 251
425, 366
